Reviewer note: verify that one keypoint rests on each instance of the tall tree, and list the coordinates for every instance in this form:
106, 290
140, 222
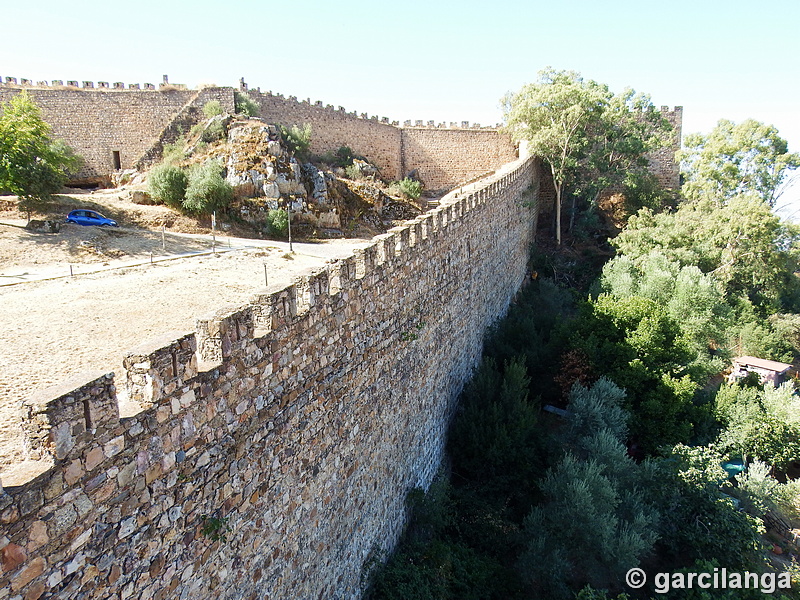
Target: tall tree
553, 115
748, 158
32, 166
590, 138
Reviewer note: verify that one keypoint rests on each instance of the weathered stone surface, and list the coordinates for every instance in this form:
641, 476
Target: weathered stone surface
278, 471
28, 574
12, 556
142, 197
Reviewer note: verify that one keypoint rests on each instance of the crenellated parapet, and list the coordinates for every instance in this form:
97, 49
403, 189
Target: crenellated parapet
115, 86
301, 418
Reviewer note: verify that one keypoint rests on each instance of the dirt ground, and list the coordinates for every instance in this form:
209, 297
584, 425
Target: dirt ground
54, 327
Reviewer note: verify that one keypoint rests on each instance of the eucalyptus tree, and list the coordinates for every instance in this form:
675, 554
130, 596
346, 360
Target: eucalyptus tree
589, 137
553, 115
748, 158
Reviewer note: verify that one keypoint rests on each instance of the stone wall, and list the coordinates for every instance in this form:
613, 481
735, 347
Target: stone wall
444, 158
276, 445
662, 162
137, 123
376, 139
97, 122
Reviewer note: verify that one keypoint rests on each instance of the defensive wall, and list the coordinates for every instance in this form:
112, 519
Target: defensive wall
442, 155
276, 444
662, 161
117, 127
114, 128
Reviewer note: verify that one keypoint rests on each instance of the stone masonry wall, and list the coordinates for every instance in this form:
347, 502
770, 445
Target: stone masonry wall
662, 162
442, 156
98, 122
378, 140
445, 158
276, 444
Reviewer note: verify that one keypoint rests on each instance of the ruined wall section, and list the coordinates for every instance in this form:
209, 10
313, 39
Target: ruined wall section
662, 162
98, 122
376, 139
444, 158
276, 444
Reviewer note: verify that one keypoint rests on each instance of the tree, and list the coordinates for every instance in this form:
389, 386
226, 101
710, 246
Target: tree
760, 424
748, 158
32, 166
553, 115
636, 344
618, 145
590, 138
595, 487
704, 523
693, 299
297, 139
746, 248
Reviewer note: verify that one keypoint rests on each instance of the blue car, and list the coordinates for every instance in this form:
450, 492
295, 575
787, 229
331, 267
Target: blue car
90, 217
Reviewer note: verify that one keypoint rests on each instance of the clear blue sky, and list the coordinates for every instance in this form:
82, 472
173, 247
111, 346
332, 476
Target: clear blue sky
442, 61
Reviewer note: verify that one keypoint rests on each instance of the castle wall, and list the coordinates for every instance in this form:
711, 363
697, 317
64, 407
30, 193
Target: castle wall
662, 163
96, 122
444, 158
377, 140
299, 421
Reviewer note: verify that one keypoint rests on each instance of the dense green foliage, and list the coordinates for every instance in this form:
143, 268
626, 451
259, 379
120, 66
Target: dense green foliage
746, 248
278, 222
167, 184
200, 189
408, 188
297, 139
745, 159
590, 138
212, 108
245, 105
207, 191
760, 424
32, 166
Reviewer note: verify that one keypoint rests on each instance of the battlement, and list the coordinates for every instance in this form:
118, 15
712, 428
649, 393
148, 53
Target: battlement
116, 86
265, 414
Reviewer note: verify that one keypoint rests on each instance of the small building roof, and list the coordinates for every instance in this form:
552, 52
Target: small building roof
760, 363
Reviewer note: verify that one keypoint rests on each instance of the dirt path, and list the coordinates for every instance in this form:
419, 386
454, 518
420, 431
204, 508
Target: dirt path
55, 329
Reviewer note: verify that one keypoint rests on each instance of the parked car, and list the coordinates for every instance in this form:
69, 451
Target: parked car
90, 217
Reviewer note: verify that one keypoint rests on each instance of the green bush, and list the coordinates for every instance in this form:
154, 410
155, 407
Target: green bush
175, 152
207, 190
245, 105
214, 132
353, 172
167, 184
410, 188
212, 108
297, 139
278, 222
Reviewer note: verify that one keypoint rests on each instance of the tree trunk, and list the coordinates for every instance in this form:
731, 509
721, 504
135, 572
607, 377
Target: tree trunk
572, 213
558, 212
